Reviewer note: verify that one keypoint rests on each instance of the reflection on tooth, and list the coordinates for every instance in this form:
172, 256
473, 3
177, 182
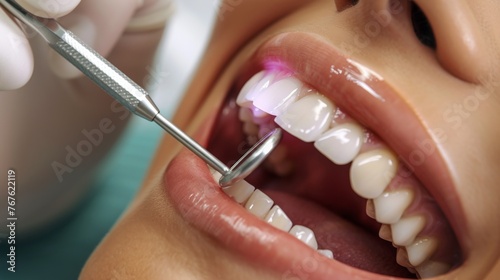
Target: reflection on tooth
305, 235
326, 253
421, 250
385, 233
259, 204
342, 143
431, 269
371, 172
277, 218
307, 118
278, 96
406, 229
389, 207
240, 191
243, 97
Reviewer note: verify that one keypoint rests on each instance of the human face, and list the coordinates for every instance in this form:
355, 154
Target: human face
425, 118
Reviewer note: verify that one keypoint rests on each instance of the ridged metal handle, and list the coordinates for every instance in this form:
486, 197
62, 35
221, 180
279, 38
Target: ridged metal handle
105, 75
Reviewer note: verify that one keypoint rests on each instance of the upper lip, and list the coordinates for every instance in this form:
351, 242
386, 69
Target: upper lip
214, 213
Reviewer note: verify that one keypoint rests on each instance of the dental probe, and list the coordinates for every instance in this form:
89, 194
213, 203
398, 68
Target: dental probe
135, 98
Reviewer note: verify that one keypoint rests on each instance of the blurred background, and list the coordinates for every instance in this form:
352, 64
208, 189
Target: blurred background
61, 253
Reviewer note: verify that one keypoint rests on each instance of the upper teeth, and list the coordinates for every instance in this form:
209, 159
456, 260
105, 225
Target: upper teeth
309, 116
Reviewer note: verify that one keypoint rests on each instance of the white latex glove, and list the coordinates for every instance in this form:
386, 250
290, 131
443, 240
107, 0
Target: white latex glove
55, 124
99, 23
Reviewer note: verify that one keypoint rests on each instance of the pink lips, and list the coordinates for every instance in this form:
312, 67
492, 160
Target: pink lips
201, 202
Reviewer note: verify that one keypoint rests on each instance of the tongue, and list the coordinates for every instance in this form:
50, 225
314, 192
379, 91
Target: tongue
349, 243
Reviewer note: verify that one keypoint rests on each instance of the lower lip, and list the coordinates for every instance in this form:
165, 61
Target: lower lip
201, 202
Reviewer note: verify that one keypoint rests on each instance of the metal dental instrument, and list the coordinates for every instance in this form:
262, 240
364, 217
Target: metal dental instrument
133, 97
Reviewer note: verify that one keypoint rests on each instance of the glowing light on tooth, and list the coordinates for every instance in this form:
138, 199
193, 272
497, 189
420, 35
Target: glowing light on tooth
326, 253
277, 218
265, 82
431, 269
244, 98
305, 235
307, 118
278, 96
390, 206
240, 191
259, 114
372, 172
259, 204
342, 143
406, 230
421, 250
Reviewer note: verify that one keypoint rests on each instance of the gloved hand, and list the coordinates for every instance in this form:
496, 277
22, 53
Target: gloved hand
99, 23
55, 124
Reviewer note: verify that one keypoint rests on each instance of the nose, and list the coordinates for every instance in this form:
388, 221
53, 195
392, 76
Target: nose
461, 47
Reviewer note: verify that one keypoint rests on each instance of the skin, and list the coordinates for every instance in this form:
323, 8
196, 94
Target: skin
155, 233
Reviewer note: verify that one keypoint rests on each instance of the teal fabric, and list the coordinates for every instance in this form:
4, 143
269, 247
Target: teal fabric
61, 253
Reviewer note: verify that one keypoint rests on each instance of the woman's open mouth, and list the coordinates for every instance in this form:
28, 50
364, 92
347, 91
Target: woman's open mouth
355, 172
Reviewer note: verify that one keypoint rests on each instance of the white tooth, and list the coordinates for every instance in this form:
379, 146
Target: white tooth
259, 204
277, 218
249, 128
246, 90
402, 257
307, 118
258, 114
372, 172
326, 253
240, 191
245, 114
279, 154
390, 206
406, 229
278, 96
341, 144
432, 269
421, 250
260, 83
385, 233
305, 235
370, 208
216, 175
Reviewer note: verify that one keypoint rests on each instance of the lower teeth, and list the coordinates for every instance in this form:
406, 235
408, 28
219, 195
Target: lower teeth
262, 206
